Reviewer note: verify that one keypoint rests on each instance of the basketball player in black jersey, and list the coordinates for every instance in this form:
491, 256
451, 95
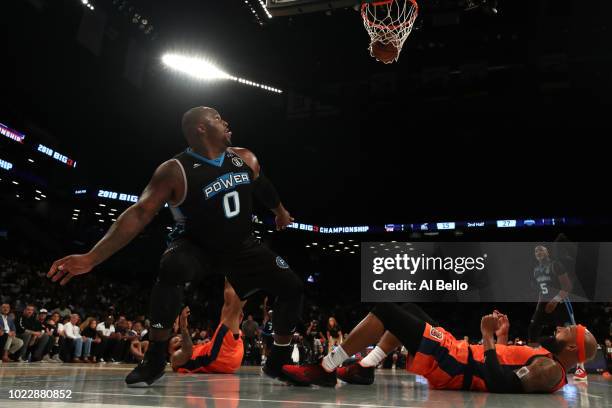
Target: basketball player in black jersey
210, 188
554, 286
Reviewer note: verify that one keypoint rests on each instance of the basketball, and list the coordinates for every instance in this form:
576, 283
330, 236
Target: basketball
386, 53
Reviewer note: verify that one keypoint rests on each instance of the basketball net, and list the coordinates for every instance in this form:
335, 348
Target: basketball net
389, 21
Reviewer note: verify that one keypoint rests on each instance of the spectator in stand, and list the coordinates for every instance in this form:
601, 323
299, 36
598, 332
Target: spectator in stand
31, 331
53, 325
140, 342
64, 311
42, 319
106, 331
66, 344
250, 332
124, 340
267, 333
88, 329
315, 340
82, 344
334, 334
12, 343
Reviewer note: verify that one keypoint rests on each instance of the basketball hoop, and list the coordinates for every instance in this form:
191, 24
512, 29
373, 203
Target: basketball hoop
389, 23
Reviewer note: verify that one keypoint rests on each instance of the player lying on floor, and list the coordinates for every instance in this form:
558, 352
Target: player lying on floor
453, 364
223, 354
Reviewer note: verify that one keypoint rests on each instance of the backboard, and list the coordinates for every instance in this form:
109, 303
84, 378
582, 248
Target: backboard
279, 8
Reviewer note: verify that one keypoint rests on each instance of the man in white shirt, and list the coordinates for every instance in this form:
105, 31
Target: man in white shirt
7, 327
82, 344
106, 330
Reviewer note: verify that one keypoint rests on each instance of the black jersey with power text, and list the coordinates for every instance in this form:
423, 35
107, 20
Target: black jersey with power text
216, 211
546, 275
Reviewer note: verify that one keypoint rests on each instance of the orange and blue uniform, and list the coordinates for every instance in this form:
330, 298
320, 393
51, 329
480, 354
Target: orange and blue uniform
223, 354
453, 364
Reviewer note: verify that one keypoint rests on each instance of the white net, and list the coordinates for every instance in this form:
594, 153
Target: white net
389, 21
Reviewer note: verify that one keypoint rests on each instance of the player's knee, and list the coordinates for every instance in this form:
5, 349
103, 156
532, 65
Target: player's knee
176, 268
293, 288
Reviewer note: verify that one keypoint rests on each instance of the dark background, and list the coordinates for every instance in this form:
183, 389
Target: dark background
483, 115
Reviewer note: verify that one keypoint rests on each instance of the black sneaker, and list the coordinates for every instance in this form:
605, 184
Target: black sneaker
279, 356
356, 374
150, 369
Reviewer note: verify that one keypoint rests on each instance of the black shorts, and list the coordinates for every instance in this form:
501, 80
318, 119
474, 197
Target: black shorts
248, 268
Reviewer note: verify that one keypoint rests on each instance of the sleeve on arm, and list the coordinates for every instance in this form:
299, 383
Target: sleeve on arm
497, 378
265, 192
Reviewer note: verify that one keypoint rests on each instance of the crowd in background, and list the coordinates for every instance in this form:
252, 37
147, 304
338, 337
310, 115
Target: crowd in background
96, 320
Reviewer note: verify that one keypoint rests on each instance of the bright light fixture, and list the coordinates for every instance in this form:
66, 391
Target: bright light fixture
196, 67
204, 69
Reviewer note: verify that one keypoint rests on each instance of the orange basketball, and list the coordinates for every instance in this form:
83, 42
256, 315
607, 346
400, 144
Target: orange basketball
386, 53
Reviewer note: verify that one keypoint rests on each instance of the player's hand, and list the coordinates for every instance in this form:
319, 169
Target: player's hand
488, 325
550, 306
70, 266
503, 324
184, 316
283, 218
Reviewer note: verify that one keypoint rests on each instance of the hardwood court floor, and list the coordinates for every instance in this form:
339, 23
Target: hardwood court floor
102, 386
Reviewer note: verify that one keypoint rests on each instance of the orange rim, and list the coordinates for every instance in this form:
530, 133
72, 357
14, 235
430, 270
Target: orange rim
364, 14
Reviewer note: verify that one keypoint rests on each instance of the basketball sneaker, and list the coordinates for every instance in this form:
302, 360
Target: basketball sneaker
309, 374
580, 374
356, 374
150, 369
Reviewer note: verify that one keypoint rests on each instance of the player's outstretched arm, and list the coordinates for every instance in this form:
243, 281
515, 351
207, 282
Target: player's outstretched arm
182, 355
542, 375
264, 190
130, 223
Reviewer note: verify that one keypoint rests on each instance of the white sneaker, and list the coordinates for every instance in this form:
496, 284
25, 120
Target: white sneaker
580, 375
46, 359
56, 359
101, 360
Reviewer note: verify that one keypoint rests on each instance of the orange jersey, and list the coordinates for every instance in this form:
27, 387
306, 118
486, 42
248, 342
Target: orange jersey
453, 364
223, 354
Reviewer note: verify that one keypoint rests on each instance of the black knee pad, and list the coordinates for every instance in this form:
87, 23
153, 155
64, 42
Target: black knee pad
289, 305
179, 265
166, 302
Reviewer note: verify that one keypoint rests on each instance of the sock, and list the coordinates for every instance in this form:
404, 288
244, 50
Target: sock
334, 359
374, 358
